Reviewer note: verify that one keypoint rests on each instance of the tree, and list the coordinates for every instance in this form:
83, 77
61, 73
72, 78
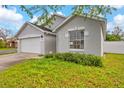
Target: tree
44, 10
2, 44
117, 30
112, 37
115, 35
4, 33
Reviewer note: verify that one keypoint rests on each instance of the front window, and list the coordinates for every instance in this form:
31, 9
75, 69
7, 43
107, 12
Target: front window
76, 39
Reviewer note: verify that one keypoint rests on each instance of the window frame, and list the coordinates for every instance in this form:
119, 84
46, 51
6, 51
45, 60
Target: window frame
80, 40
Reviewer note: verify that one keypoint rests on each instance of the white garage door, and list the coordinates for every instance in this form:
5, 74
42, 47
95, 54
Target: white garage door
31, 45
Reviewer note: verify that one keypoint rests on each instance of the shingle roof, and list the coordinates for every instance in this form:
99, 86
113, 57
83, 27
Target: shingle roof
42, 27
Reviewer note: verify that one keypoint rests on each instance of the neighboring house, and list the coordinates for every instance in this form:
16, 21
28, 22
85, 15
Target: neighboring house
66, 34
11, 43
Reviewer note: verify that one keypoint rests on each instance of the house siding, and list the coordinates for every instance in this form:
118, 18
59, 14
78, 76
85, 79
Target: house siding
50, 43
29, 35
30, 31
92, 42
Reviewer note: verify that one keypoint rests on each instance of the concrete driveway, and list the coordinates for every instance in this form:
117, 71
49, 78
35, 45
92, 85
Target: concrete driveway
11, 59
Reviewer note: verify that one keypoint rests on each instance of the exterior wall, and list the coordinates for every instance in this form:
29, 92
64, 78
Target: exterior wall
58, 20
30, 31
92, 38
50, 43
114, 47
18, 46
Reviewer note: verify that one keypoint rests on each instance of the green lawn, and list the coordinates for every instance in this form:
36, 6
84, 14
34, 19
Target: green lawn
6, 48
55, 73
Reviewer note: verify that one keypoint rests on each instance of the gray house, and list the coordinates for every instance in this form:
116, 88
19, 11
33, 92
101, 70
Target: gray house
66, 34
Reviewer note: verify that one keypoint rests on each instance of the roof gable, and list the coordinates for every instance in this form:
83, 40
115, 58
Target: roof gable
101, 22
71, 17
42, 29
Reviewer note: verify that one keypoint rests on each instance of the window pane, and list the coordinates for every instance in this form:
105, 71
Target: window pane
76, 39
82, 35
72, 46
78, 34
72, 35
75, 47
82, 44
72, 38
78, 46
78, 42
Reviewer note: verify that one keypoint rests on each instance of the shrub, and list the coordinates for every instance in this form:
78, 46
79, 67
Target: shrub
111, 37
49, 56
2, 44
84, 59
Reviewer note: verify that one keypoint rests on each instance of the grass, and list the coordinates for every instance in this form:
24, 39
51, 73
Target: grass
6, 48
55, 73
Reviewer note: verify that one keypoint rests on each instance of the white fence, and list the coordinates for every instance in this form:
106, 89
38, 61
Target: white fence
114, 47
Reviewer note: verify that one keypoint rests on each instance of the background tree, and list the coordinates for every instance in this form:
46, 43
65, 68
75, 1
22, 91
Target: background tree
4, 33
117, 30
44, 10
115, 35
112, 37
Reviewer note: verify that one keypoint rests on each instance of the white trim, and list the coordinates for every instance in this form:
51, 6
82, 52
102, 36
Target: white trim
76, 50
76, 39
77, 28
29, 37
86, 33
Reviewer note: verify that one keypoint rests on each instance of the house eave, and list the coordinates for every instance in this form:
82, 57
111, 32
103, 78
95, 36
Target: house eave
100, 19
27, 23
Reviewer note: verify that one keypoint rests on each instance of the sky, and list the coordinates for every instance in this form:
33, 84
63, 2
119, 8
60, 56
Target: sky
13, 18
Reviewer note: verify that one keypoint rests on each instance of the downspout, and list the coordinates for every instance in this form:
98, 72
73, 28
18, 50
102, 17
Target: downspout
102, 39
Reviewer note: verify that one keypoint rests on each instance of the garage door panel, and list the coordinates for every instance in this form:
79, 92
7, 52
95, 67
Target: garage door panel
31, 45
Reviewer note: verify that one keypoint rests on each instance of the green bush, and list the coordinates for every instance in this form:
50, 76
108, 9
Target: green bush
2, 44
49, 56
111, 37
84, 59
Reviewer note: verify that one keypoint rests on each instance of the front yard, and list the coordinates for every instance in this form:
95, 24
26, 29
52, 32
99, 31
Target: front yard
55, 73
6, 48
